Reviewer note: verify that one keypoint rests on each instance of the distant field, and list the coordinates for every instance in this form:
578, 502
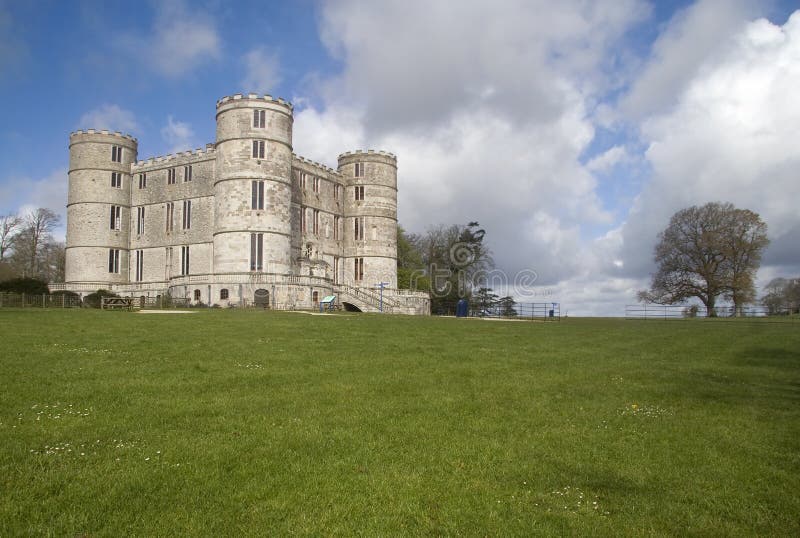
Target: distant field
266, 423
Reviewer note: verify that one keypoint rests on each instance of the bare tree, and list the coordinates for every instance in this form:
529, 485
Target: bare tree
706, 252
9, 228
32, 241
52, 261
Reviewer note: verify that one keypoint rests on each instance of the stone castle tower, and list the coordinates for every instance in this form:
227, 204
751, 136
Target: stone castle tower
243, 220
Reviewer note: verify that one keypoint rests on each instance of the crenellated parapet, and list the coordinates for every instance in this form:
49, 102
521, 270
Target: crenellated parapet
183, 157
104, 133
313, 166
254, 99
369, 153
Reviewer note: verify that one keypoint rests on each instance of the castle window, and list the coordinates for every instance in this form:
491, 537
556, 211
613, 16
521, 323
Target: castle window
116, 180
139, 265
315, 297
116, 154
336, 225
223, 293
303, 180
140, 220
257, 197
258, 149
256, 252
315, 222
374, 233
168, 262
116, 220
303, 219
187, 173
315, 182
259, 119
142, 181
359, 170
358, 273
171, 176
185, 260
359, 190
335, 269
197, 295
187, 214
113, 260
170, 216
358, 228
336, 189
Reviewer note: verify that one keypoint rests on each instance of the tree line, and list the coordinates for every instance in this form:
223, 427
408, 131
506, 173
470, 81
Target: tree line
28, 248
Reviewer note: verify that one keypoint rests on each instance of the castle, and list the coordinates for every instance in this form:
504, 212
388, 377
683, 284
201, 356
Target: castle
242, 221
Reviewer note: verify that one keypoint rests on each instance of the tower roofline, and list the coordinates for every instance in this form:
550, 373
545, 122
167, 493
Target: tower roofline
254, 97
367, 153
102, 132
210, 149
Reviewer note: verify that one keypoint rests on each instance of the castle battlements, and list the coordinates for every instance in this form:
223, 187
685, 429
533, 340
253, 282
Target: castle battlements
315, 164
367, 153
255, 97
182, 156
102, 132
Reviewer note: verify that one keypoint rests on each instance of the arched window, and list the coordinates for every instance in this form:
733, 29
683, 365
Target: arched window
315, 297
223, 293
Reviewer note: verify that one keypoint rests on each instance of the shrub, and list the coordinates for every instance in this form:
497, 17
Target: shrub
25, 285
72, 298
94, 300
66, 293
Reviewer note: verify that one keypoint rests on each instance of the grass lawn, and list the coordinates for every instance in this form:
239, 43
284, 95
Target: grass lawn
268, 423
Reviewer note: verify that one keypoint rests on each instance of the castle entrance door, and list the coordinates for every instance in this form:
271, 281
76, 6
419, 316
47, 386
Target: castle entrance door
261, 298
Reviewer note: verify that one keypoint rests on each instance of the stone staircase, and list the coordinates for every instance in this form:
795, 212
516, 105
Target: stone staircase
365, 299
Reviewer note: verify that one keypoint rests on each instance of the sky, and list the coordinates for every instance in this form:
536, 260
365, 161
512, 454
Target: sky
570, 130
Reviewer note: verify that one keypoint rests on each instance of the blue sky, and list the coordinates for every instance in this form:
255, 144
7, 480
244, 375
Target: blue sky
571, 132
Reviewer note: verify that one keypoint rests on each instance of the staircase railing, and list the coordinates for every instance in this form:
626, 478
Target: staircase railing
367, 296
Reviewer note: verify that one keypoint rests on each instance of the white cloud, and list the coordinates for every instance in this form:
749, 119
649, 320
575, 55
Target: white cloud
178, 135
181, 39
608, 159
425, 61
262, 71
491, 112
323, 135
111, 117
731, 136
696, 35
487, 112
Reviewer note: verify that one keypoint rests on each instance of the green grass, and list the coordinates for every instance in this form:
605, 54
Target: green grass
262, 423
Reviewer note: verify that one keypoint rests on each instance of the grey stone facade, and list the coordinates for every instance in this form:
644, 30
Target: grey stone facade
241, 217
